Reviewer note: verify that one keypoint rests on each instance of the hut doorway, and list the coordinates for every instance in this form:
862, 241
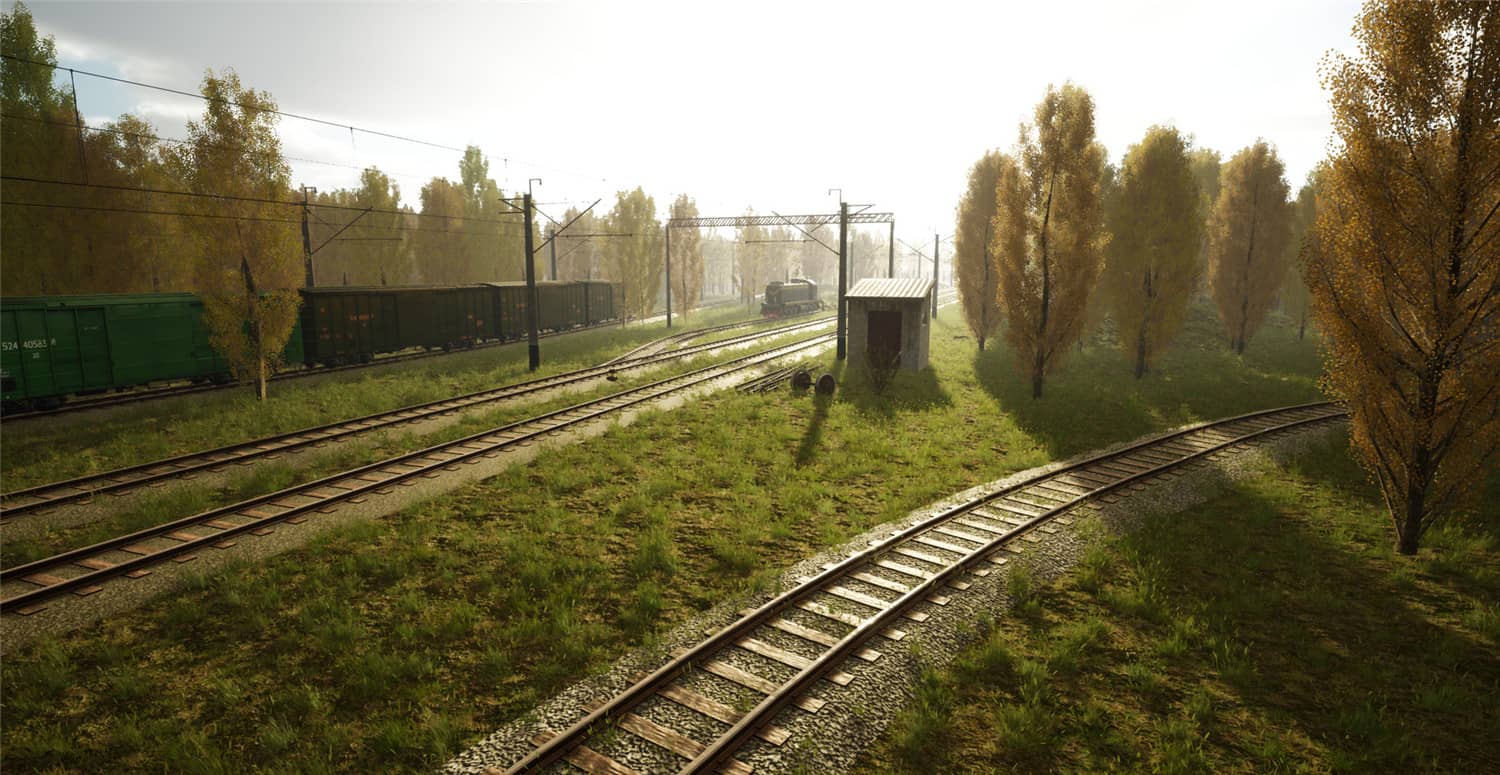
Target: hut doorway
883, 335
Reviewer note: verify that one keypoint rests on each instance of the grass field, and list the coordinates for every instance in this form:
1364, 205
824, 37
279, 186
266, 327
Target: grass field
1270, 629
267, 477
392, 644
38, 452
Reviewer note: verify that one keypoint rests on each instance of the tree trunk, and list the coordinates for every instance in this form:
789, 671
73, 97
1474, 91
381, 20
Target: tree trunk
1036, 381
1140, 354
1302, 327
260, 379
981, 344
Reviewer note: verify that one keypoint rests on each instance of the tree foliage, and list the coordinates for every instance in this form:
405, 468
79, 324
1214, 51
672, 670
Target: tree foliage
1152, 266
373, 249
687, 257
1206, 168
1048, 235
635, 260
1406, 278
1248, 235
249, 268
973, 260
1295, 298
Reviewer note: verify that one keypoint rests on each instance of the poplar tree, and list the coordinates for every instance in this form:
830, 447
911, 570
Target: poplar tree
750, 259
440, 256
636, 259
1152, 266
1248, 235
1406, 280
973, 260
1296, 300
687, 257
1206, 169
251, 265
1049, 240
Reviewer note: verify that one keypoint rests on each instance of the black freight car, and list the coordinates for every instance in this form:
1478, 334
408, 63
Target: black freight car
349, 325
599, 301
563, 305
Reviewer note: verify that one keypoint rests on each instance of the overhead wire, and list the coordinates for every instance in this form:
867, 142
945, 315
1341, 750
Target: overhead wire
223, 216
506, 160
247, 199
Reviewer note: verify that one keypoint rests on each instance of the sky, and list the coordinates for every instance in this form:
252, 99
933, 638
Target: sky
761, 104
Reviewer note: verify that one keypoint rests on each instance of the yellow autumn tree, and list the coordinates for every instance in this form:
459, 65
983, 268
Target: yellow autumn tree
1047, 233
1296, 300
250, 253
973, 261
1406, 280
687, 257
1248, 235
1154, 228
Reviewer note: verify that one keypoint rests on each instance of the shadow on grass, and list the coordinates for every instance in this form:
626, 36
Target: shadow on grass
1093, 398
1307, 630
908, 391
807, 449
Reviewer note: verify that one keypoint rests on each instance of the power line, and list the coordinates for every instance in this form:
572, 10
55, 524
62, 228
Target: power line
220, 216
259, 108
248, 199
180, 141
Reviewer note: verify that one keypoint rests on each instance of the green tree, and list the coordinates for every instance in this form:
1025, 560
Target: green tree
38, 140
250, 266
687, 257
1406, 276
973, 253
1152, 266
1248, 237
1048, 235
636, 259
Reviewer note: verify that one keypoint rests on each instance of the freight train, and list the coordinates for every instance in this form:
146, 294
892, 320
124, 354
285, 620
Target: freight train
793, 297
55, 346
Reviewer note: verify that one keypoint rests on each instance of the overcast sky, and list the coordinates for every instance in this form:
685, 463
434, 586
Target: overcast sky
746, 104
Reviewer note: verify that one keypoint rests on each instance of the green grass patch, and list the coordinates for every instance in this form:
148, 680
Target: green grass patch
390, 644
41, 451
1256, 632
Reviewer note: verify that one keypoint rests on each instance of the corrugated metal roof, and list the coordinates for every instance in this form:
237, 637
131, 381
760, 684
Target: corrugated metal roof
872, 288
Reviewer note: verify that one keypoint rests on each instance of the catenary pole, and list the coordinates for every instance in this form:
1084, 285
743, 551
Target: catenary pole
552, 244
934, 275
306, 241
668, 229
890, 258
533, 348
843, 276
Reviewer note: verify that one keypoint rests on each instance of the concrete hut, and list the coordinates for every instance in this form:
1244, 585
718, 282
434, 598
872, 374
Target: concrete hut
889, 316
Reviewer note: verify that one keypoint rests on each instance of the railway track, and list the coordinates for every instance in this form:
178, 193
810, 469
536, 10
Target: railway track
25, 589
17, 504
838, 615
169, 391
657, 346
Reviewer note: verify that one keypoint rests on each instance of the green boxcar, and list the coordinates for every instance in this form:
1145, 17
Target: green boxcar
51, 347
